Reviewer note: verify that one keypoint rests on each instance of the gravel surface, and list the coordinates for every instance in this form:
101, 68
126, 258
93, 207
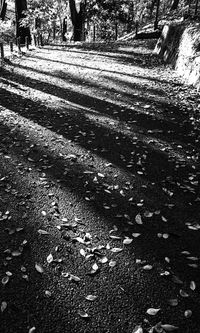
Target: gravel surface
99, 192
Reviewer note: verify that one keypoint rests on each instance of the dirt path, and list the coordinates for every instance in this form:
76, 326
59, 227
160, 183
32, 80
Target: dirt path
99, 193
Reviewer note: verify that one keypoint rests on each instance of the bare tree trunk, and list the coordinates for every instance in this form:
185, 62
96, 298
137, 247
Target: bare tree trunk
157, 13
78, 19
3, 7
196, 7
21, 32
94, 32
116, 30
174, 5
64, 29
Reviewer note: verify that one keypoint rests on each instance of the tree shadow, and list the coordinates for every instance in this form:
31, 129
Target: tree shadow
101, 141
166, 128
152, 249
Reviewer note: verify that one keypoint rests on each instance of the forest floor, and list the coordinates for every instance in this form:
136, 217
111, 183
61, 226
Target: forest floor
99, 192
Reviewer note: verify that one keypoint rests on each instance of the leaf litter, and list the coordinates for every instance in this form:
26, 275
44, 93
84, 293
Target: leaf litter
126, 241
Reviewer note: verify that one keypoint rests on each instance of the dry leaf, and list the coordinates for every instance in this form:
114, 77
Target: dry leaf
112, 263
82, 252
192, 285
42, 232
138, 329
188, 313
47, 293
79, 239
114, 237
5, 280
74, 278
138, 219
32, 330
116, 250
90, 298
3, 306
95, 267
103, 260
147, 267
153, 311
39, 268
127, 241
183, 293
16, 253
169, 328
50, 258
83, 314
135, 234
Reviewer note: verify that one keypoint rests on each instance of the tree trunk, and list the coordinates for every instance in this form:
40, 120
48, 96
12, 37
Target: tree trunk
22, 32
196, 7
3, 7
116, 30
78, 19
64, 29
157, 12
174, 4
94, 32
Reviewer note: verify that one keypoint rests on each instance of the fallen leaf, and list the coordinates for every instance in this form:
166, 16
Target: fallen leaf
5, 280
74, 278
192, 285
103, 260
82, 252
183, 293
169, 328
91, 298
95, 267
16, 253
116, 250
42, 232
148, 214
83, 314
135, 234
153, 311
50, 258
101, 175
138, 329
114, 237
79, 240
188, 313
39, 268
138, 219
147, 267
112, 263
47, 293
32, 330
127, 241
3, 306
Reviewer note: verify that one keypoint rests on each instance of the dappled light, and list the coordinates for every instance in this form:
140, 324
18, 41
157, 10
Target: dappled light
99, 190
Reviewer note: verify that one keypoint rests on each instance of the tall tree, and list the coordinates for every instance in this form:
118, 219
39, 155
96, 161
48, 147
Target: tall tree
3, 7
77, 10
21, 31
157, 13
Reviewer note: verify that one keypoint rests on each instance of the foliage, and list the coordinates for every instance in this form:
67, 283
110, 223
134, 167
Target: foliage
45, 16
7, 31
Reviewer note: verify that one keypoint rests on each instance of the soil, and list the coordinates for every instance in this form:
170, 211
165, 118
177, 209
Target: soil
99, 192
